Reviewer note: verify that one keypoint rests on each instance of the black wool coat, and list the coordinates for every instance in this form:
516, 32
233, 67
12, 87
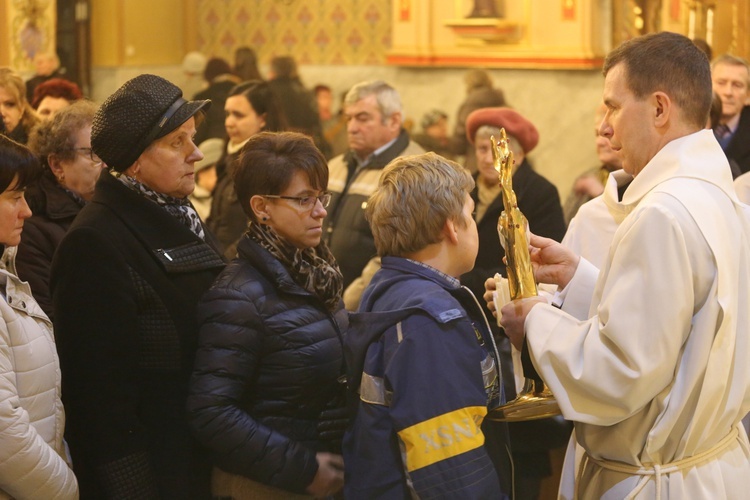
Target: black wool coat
268, 364
125, 281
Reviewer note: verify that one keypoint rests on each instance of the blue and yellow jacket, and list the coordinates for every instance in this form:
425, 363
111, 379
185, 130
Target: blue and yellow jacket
424, 368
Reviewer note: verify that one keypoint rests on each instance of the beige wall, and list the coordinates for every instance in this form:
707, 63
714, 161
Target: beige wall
126, 42
106, 33
137, 32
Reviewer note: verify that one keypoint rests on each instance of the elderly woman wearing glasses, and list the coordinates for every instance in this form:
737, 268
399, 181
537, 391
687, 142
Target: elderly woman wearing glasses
71, 170
125, 282
266, 392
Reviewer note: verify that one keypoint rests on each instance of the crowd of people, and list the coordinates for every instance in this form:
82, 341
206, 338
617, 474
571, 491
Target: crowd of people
238, 293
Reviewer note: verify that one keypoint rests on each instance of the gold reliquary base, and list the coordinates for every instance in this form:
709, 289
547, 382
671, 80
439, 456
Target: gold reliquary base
533, 403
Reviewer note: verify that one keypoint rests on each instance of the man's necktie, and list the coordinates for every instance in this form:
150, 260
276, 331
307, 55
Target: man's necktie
723, 135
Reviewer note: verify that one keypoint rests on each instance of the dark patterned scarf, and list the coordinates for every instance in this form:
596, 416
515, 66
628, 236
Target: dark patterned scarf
75, 196
181, 209
314, 269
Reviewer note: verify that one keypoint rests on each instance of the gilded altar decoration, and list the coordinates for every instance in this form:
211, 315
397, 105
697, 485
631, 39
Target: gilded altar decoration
32, 29
486, 23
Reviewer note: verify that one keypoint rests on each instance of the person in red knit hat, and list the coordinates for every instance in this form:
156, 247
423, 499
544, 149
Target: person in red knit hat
540, 203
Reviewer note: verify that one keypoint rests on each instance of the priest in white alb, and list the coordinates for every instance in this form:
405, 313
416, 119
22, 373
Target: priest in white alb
650, 355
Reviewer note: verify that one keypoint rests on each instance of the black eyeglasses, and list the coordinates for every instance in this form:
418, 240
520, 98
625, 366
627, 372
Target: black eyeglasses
89, 153
305, 202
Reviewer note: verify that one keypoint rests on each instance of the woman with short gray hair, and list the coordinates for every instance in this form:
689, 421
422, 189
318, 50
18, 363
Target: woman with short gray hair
71, 169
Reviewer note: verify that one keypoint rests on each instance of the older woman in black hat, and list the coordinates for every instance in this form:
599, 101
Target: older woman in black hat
125, 282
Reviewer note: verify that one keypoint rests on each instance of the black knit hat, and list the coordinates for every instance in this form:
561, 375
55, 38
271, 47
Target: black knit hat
142, 110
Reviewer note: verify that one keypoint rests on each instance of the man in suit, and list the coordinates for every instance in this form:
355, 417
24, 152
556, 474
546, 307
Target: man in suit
730, 76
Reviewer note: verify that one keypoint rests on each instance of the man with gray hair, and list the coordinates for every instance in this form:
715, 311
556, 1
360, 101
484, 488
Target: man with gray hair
374, 118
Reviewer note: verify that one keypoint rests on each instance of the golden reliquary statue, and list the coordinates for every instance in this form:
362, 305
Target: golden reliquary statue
535, 401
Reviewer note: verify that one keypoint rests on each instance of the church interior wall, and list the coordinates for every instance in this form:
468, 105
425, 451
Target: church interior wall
342, 42
548, 68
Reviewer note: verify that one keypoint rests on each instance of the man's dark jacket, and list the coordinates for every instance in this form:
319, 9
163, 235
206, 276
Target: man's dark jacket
347, 231
738, 149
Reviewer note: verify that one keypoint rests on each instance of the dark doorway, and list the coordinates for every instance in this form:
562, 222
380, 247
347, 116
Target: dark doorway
74, 41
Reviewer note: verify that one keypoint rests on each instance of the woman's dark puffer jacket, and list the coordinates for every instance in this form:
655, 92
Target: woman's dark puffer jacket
268, 364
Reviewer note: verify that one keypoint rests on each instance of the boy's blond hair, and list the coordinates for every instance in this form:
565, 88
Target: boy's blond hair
416, 195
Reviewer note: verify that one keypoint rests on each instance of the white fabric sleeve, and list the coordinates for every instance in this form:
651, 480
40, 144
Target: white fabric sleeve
575, 299
604, 369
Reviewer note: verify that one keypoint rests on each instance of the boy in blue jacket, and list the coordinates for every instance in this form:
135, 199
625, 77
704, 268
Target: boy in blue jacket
423, 365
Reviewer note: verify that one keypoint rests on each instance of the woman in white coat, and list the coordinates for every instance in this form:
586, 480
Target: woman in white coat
33, 460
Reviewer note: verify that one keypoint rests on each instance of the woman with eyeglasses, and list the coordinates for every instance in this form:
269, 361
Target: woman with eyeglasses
33, 458
266, 395
71, 169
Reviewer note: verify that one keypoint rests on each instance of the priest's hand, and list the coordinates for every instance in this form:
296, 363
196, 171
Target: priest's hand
552, 262
513, 318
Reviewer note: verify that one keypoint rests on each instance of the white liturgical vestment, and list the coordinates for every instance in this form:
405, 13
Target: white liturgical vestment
650, 357
742, 187
591, 231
